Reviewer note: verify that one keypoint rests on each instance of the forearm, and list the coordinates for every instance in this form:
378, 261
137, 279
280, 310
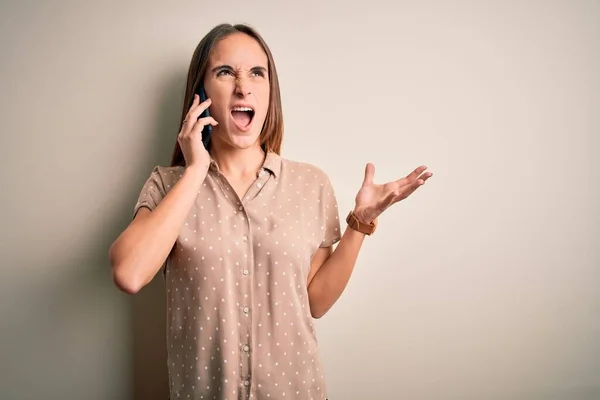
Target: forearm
333, 276
139, 252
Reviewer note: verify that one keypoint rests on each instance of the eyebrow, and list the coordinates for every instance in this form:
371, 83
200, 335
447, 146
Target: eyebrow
228, 67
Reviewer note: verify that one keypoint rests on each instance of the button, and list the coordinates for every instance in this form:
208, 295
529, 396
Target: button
245, 272
244, 238
246, 310
259, 185
246, 348
240, 208
246, 383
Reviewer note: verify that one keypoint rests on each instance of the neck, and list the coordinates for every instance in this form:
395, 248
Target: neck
237, 163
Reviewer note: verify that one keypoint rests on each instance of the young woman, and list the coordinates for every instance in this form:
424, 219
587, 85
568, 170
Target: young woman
243, 236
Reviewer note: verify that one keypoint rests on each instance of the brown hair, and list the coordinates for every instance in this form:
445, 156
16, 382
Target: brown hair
271, 134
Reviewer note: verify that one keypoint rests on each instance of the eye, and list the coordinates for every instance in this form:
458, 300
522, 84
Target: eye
224, 72
258, 73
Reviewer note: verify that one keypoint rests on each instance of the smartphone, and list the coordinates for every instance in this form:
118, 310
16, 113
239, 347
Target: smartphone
207, 131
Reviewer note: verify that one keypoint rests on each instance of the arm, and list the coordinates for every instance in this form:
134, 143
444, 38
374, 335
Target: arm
139, 252
330, 272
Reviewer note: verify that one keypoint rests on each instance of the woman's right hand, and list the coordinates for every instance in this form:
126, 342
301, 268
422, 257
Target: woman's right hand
190, 136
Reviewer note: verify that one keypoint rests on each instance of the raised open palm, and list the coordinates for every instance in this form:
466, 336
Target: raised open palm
373, 199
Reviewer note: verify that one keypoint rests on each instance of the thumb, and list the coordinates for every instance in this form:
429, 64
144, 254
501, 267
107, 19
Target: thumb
369, 174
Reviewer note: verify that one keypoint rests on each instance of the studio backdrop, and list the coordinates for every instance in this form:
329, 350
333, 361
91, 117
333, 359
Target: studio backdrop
483, 285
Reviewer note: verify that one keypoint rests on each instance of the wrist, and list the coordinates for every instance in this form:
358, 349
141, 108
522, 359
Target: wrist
196, 173
358, 223
363, 217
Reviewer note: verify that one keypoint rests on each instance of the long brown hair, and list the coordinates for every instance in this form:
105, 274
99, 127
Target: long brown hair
271, 134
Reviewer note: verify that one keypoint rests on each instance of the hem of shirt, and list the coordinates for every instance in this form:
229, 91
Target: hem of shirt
330, 242
138, 206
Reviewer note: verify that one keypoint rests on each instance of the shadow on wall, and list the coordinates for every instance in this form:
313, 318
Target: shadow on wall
65, 337
150, 380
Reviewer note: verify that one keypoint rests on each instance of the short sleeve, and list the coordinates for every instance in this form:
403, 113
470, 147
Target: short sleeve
330, 218
152, 192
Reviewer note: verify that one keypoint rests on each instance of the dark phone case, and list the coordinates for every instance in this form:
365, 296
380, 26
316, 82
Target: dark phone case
207, 131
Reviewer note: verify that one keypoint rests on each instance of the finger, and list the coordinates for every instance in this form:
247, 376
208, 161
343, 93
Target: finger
197, 109
193, 115
425, 176
204, 105
410, 188
202, 122
369, 174
199, 126
415, 173
402, 192
195, 102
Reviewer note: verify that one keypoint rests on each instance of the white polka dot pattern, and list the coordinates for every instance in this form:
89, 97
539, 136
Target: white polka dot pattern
239, 323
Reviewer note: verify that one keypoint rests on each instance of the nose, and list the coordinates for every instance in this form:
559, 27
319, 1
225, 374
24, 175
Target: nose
242, 89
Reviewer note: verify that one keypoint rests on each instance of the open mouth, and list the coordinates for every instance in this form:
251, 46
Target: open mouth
242, 116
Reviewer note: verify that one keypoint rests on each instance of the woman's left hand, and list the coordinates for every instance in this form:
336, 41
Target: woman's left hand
373, 199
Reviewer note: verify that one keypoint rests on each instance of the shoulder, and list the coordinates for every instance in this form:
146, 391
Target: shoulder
165, 177
312, 183
167, 172
300, 169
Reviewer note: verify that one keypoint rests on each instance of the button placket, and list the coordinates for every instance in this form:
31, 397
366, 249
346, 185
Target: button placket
245, 298
256, 187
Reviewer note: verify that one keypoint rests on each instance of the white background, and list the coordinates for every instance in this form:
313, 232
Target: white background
482, 285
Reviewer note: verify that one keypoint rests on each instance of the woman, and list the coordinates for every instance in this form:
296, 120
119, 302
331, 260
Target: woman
243, 236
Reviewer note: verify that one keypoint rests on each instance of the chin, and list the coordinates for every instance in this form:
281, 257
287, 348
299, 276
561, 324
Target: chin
244, 138
235, 139
244, 142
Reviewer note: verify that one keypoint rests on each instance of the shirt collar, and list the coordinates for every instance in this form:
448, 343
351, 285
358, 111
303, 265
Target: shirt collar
272, 164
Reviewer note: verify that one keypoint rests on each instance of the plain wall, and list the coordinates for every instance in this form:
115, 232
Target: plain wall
482, 285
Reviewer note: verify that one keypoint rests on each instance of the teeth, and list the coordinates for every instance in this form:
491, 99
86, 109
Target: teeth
242, 109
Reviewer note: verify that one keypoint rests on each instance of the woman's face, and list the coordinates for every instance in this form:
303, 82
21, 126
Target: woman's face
237, 82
